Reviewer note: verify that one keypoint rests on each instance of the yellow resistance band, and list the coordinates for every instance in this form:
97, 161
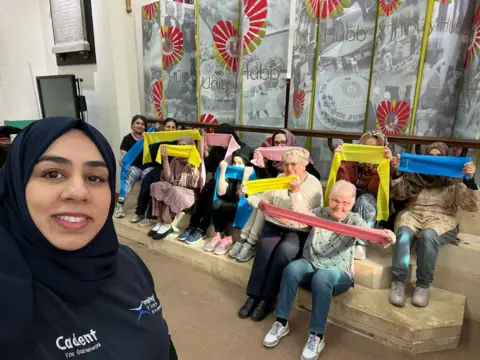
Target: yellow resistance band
185, 151
165, 136
257, 186
369, 155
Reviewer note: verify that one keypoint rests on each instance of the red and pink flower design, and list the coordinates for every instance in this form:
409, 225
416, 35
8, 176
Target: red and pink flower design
388, 7
255, 12
326, 8
150, 11
474, 47
208, 119
157, 92
225, 45
267, 142
172, 49
298, 102
393, 116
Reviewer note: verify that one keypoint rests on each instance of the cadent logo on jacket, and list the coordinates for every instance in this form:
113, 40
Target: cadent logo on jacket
149, 306
78, 345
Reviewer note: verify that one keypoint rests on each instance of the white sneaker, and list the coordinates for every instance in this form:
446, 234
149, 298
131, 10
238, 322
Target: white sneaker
275, 334
119, 212
361, 252
313, 348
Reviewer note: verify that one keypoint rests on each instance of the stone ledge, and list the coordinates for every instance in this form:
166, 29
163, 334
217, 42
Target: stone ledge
361, 310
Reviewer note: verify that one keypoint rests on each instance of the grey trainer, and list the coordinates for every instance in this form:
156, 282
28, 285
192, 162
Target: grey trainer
136, 218
421, 297
119, 211
247, 253
397, 293
235, 250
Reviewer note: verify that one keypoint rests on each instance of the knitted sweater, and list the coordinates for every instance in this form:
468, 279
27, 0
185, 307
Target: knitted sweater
310, 195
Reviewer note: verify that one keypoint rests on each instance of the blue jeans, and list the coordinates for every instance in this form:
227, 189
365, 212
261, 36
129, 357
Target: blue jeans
325, 283
426, 249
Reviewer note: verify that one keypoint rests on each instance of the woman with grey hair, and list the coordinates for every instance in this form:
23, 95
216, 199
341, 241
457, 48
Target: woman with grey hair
327, 267
281, 240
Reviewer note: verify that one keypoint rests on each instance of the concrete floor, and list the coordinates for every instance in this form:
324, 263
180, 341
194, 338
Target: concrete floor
201, 313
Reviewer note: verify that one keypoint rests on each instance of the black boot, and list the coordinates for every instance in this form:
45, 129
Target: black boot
247, 309
261, 311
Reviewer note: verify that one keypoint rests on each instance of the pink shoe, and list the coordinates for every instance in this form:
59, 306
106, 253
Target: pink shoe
224, 246
211, 245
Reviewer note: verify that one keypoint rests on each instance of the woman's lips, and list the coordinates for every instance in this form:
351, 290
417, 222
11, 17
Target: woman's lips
72, 221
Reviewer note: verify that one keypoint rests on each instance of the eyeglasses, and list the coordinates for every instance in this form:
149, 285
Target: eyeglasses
342, 203
290, 164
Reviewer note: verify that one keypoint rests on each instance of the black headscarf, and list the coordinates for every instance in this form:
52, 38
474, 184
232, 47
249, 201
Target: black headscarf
228, 129
245, 153
26, 256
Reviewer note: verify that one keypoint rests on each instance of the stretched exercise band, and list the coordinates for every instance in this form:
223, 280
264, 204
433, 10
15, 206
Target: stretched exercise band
364, 233
449, 166
184, 151
370, 155
262, 185
244, 210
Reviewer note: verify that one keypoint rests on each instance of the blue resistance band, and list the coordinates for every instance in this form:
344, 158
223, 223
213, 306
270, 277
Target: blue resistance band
128, 159
244, 210
449, 166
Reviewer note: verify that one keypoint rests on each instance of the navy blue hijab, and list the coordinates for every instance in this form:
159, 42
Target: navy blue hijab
26, 256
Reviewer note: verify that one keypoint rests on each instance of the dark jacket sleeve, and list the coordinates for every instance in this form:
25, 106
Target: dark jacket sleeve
313, 171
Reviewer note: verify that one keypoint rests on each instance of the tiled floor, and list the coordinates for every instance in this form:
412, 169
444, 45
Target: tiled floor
201, 313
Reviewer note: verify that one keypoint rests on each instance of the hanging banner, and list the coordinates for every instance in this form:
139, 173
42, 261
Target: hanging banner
443, 68
467, 124
152, 65
178, 60
219, 60
398, 47
265, 31
304, 26
343, 67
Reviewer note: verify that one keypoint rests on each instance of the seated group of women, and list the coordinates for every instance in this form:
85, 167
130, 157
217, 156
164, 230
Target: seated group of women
60, 254
288, 252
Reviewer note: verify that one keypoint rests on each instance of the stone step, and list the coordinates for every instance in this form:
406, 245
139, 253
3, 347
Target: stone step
362, 309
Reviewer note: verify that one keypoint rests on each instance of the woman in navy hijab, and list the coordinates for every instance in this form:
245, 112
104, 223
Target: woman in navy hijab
68, 288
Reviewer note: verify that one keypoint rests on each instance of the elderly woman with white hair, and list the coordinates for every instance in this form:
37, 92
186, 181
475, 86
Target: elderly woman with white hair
326, 266
281, 240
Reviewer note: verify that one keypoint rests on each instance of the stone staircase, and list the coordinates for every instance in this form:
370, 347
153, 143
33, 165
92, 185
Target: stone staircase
364, 309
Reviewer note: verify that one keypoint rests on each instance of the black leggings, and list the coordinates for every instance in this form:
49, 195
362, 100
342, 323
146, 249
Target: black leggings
173, 351
144, 198
223, 213
202, 214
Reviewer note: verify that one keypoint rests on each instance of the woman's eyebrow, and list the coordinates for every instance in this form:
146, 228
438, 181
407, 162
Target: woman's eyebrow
64, 161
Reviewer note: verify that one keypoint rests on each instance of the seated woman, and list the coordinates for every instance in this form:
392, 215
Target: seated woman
280, 241
202, 213
143, 211
244, 250
225, 208
365, 177
430, 217
175, 192
326, 267
136, 171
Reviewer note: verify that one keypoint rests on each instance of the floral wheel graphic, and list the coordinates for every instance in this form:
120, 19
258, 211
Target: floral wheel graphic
172, 49
474, 47
388, 7
150, 11
326, 8
255, 20
298, 102
392, 116
225, 44
157, 92
444, 1
267, 142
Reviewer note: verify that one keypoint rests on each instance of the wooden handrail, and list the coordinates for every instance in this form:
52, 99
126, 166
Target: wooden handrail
465, 144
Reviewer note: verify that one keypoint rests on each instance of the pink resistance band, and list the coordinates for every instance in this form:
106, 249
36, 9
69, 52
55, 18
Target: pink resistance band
274, 153
226, 141
373, 235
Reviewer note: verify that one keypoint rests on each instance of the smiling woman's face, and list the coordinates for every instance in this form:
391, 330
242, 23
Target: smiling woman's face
68, 195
